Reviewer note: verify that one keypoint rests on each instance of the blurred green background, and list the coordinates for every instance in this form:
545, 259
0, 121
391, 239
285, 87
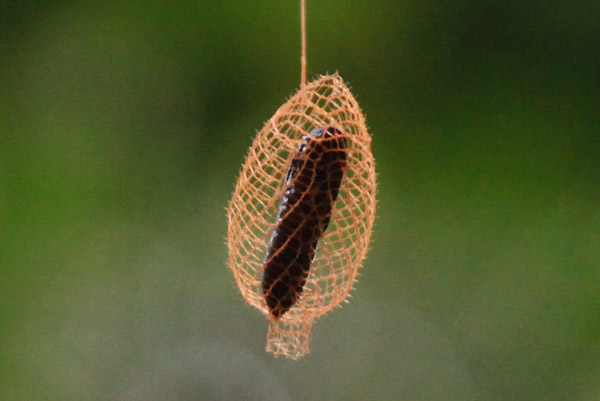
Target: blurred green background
123, 126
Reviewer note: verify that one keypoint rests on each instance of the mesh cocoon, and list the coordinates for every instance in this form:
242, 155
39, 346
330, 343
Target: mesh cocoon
253, 209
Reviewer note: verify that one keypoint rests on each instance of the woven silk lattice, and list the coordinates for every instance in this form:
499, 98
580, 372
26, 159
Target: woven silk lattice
253, 210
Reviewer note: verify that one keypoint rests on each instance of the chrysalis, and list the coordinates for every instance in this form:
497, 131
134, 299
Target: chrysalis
302, 211
311, 189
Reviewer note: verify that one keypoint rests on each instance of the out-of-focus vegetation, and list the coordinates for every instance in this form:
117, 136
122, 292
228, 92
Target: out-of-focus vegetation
123, 126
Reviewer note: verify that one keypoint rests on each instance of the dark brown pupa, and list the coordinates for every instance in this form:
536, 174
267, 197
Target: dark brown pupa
311, 188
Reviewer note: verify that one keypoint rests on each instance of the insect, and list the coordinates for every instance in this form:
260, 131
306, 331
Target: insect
306, 195
301, 214
311, 188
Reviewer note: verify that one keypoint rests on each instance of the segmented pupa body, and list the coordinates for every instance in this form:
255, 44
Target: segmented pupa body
311, 188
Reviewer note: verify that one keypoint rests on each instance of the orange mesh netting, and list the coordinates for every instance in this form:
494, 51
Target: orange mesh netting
302, 210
